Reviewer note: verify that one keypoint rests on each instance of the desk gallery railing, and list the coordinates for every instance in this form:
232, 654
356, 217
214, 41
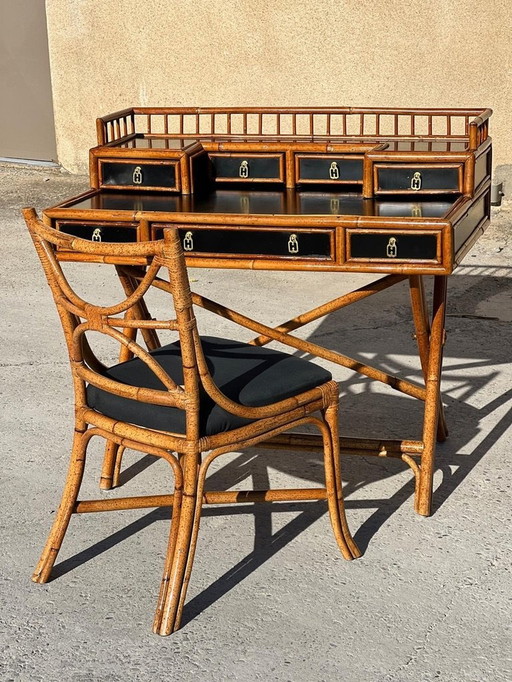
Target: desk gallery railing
353, 124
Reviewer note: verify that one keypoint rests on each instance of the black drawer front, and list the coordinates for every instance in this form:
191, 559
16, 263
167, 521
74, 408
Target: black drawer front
139, 174
247, 168
100, 233
254, 242
330, 169
391, 247
414, 179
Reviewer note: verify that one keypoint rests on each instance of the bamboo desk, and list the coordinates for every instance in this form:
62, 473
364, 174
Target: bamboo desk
356, 217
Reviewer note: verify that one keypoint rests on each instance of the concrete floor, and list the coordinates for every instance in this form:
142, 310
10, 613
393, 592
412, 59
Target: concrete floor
270, 596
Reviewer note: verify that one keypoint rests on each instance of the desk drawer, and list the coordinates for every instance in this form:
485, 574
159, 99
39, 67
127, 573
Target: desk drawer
417, 178
326, 168
100, 232
229, 167
255, 242
147, 175
386, 246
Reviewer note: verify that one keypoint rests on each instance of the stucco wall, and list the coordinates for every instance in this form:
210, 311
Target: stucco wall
106, 56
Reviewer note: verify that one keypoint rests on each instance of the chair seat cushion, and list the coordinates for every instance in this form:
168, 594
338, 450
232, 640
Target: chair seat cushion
250, 375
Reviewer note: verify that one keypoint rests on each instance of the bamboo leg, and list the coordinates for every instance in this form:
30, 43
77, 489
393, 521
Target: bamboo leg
180, 548
171, 549
111, 465
69, 498
112, 458
117, 466
423, 503
422, 332
332, 464
140, 309
193, 541
113, 455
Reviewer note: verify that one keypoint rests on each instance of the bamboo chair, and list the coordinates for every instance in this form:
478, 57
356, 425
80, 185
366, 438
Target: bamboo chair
197, 395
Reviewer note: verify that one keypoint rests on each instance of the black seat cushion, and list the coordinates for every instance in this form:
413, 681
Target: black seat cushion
250, 375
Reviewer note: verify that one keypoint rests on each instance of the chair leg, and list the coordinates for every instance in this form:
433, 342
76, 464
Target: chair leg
111, 465
69, 498
193, 540
180, 548
117, 467
169, 557
333, 485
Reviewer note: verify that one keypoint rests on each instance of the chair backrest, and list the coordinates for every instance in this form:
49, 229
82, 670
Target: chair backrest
121, 320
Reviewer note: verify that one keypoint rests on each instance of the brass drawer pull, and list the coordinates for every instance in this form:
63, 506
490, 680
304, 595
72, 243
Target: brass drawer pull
334, 171
96, 235
243, 171
416, 181
188, 242
293, 244
391, 248
137, 176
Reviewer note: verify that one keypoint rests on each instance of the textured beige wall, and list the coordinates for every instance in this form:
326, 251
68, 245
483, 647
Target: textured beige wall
106, 56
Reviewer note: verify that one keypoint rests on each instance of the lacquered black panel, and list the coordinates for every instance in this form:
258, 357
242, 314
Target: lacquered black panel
465, 227
348, 170
399, 178
331, 203
482, 168
257, 167
100, 233
254, 242
389, 246
240, 201
413, 209
149, 174
135, 201
201, 171
264, 201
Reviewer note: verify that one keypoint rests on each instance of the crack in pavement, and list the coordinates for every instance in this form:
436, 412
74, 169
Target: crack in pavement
492, 563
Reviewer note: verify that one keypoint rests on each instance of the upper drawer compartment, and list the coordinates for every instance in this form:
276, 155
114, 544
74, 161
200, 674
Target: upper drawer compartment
418, 178
325, 168
247, 167
100, 232
149, 175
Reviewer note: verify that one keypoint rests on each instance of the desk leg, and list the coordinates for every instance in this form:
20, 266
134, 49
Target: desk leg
111, 467
113, 455
422, 334
423, 502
